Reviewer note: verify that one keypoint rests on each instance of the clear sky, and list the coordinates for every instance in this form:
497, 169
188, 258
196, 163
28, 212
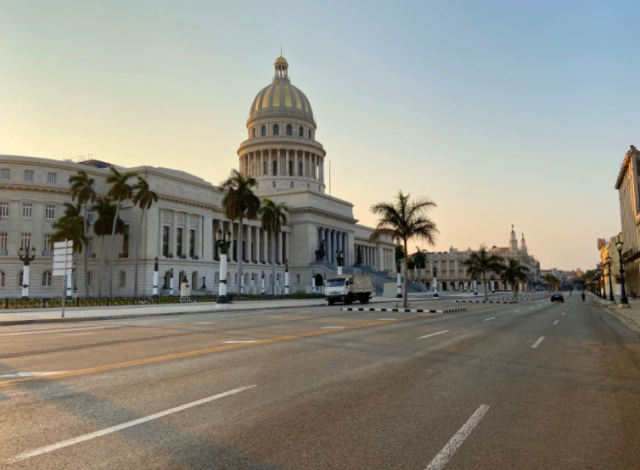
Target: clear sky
500, 111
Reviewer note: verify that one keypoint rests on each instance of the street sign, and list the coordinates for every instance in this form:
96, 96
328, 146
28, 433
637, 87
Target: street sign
62, 251
66, 243
62, 258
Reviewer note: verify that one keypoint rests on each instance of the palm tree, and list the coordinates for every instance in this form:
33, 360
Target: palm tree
82, 188
514, 273
551, 281
420, 259
120, 191
239, 203
144, 199
69, 228
480, 263
273, 217
103, 226
405, 220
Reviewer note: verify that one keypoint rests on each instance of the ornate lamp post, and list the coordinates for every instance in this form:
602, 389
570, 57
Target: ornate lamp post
26, 257
475, 284
223, 242
399, 278
623, 292
493, 284
611, 297
435, 281
286, 277
340, 260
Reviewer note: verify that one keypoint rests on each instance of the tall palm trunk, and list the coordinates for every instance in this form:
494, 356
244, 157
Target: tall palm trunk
240, 254
484, 285
86, 254
113, 239
135, 269
273, 263
405, 285
101, 266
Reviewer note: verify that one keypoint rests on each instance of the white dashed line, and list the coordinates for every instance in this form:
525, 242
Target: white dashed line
238, 342
386, 319
440, 460
433, 334
556, 322
537, 343
203, 323
564, 313
332, 327
487, 319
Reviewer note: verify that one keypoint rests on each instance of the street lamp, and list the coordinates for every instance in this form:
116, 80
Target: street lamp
435, 281
611, 297
340, 260
286, 277
223, 242
26, 257
399, 278
493, 284
623, 297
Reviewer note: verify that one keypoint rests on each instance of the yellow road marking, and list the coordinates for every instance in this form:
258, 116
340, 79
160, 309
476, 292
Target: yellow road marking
200, 352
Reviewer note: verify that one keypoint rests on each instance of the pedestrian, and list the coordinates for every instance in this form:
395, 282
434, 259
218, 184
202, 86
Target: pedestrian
583, 296
633, 295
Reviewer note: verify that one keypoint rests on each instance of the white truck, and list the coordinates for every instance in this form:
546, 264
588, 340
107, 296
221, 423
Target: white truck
347, 288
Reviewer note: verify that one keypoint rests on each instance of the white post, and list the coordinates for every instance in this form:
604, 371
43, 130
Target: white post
171, 283
475, 287
286, 283
222, 291
313, 283
155, 283
69, 283
435, 286
399, 282
339, 270
25, 280
262, 287
253, 284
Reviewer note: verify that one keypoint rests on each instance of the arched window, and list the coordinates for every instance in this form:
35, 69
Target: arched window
1, 278
263, 131
276, 129
167, 280
292, 185
300, 131
289, 129
254, 131
273, 184
46, 279
122, 279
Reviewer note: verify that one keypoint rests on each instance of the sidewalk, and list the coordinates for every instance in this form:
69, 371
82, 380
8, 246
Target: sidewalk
628, 316
75, 314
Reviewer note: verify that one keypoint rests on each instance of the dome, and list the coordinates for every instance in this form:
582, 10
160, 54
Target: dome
281, 98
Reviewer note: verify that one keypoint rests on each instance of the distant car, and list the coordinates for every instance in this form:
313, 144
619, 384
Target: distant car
557, 298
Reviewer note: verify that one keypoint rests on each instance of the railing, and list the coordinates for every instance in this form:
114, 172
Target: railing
124, 301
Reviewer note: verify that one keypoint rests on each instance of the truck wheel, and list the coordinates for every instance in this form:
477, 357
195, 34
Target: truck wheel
364, 300
331, 302
349, 300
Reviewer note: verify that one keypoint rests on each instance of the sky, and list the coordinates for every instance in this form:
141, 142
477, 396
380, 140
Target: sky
502, 112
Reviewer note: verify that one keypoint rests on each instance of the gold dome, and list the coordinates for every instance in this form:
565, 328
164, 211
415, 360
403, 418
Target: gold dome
281, 60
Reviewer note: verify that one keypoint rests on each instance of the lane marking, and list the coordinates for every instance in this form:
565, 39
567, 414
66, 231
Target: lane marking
387, 319
564, 313
199, 352
203, 322
332, 327
74, 334
119, 427
537, 343
556, 322
440, 460
30, 374
433, 334
239, 342
487, 319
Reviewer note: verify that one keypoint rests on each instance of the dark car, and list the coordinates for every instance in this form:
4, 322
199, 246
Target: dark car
557, 298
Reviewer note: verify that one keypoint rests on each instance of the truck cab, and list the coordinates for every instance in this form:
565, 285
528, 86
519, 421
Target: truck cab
348, 288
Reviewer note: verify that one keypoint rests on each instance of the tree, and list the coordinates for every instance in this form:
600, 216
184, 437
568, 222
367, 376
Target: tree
120, 191
103, 226
480, 263
82, 188
144, 199
273, 217
420, 259
404, 220
514, 273
239, 203
551, 281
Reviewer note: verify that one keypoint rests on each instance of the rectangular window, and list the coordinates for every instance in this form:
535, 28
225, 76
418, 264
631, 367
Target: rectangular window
6, 174
300, 169
192, 243
51, 178
26, 210
28, 175
125, 242
90, 217
290, 168
47, 243
50, 212
3, 242
165, 241
4, 209
275, 168
179, 243
25, 240
264, 169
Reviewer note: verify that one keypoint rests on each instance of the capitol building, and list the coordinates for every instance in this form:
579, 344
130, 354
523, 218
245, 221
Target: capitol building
281, 152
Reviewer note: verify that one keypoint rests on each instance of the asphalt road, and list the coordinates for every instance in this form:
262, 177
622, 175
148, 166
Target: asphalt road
532, 385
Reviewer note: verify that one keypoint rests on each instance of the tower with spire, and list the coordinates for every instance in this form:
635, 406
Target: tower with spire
523, 244
513, 241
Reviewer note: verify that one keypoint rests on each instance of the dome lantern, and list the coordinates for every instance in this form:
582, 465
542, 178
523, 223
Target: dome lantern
281, 67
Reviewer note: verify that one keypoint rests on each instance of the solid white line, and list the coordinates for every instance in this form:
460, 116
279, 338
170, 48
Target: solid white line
74, 334
238, 342
203, 323
433, 334
564, 313
537, 343
332, 327
487, 319
119, 427
440, 460
556, 322
386, 319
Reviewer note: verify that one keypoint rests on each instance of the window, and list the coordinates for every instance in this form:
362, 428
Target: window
263, 132
275, 168
122, 279
47, 243
6, 174
179, 244
49, 212
289, 129
297, 278
89, 278
300, 131
290, 168
2, 278
28, 175
254, 131
299, 168
46, 279
165, 241
192, 243
276, 129
273, 185
264, 168
125, 242
51, 178
26, 210
292, 185
4, 209
90, 217
25, 240
309, 133
3, 242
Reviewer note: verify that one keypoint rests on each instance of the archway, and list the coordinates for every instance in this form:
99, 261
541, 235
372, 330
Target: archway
167, 280
444, 286
319, 280
453, 285
194, 280
182, 277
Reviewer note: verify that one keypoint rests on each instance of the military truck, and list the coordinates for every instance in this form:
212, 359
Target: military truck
347, 288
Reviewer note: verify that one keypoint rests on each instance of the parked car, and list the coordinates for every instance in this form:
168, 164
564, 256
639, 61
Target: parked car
557, 298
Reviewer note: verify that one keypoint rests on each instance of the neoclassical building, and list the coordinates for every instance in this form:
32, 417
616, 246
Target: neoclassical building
281, 152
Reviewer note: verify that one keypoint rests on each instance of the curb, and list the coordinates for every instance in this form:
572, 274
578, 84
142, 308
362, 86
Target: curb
488, 301
401, 310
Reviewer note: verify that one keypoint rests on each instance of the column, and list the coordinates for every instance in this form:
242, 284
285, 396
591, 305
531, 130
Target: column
286, 170
174, 238
279, 252
186, 237
345, 248
249, 240
320, 236
261, 169
161, 231
265, 246
232, 256
334, 236
199, 236
330, 245
303, 164
258, 252
295, 163
288, 245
